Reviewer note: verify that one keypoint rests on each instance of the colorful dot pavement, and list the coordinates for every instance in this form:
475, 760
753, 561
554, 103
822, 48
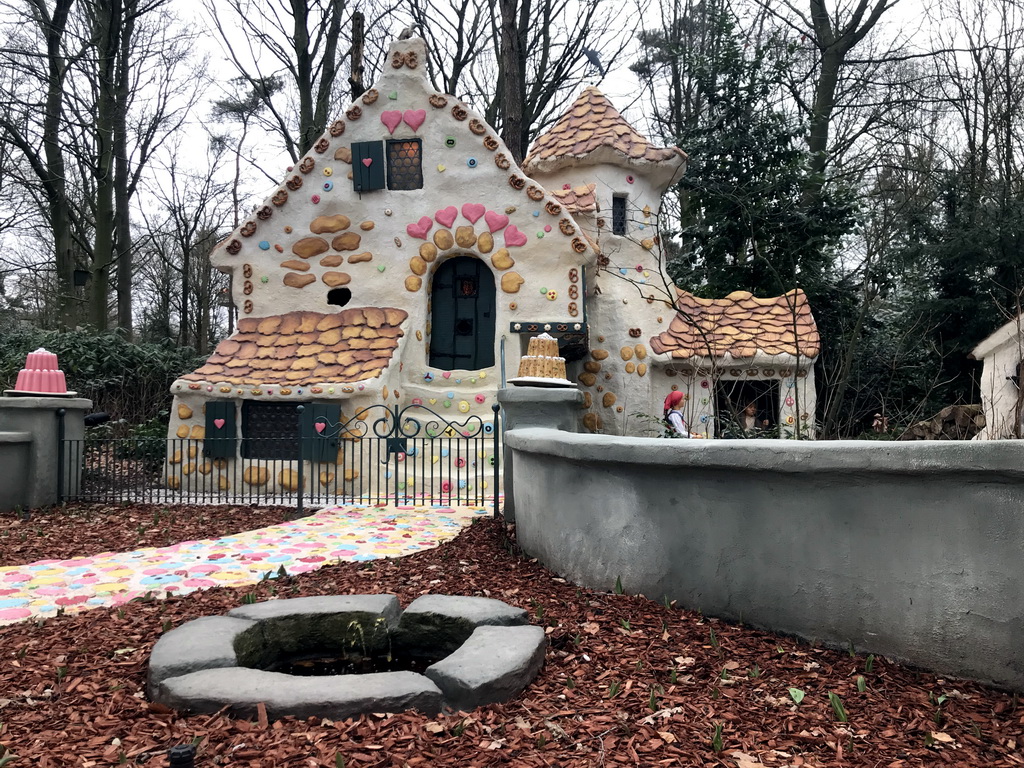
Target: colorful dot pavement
352, 533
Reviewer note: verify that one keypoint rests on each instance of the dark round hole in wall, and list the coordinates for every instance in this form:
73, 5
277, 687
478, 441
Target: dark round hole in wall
339, 297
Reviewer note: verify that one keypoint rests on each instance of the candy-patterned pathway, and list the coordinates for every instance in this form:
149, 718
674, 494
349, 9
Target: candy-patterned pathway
355, 533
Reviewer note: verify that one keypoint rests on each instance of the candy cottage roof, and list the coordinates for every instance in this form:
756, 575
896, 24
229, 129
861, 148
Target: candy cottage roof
303, 348
741, 326
578, 199
593, 130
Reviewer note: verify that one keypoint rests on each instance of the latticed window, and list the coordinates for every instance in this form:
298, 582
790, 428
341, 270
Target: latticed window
405, 167
271, 431
618, 215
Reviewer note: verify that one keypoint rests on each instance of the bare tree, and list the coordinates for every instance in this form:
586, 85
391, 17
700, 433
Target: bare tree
302, 45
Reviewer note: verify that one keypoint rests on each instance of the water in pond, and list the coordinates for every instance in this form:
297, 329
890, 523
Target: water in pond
327, 664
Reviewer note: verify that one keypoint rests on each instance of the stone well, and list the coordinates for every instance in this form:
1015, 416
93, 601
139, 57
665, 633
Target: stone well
475, 651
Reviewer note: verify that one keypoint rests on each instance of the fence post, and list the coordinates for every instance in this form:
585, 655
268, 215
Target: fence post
60, 454
496, 457
302, 478
394, 470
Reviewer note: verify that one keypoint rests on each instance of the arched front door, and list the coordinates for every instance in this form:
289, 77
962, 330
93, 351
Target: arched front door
462, 315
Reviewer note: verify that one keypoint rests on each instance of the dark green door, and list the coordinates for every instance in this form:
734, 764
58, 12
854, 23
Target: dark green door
462, 315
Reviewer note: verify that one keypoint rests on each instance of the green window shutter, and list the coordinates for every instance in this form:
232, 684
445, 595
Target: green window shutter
221, 432
320, 446
368, 166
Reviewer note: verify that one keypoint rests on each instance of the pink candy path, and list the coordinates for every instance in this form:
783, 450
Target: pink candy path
352, 533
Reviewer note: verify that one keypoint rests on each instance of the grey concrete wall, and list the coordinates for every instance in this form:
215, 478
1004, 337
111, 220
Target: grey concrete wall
37, 416
15, 459
550, 407
909, 550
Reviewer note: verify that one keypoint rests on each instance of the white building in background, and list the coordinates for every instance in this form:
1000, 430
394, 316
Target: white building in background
1001, 355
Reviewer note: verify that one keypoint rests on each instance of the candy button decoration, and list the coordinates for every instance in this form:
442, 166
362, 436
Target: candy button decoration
449, 141
264, 245
447, 403
489, 428
328, 186
629, 179
328, 171
450, 395
464, 406
480, 398
471, 162
315, 199
428, 376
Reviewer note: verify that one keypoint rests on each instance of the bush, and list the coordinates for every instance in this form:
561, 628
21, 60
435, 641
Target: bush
129, 381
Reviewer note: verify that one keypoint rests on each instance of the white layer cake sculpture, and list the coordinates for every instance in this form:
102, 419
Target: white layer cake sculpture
542, 365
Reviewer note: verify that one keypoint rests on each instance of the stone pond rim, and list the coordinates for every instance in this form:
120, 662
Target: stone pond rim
488, 654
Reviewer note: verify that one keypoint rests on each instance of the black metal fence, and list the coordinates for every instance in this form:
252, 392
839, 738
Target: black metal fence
405, 455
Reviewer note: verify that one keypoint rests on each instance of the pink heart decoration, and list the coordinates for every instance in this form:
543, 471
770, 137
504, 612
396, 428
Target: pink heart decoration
392, 119
447, 374
218, 423
513, 236
420, 228
319, 426
446, 216
495, 221
473, 211
414, 118
367, 161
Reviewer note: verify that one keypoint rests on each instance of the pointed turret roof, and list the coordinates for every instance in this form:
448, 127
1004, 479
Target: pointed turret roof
592, 131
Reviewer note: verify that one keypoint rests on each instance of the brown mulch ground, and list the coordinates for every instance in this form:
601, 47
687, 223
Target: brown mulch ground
82, 530
626, 682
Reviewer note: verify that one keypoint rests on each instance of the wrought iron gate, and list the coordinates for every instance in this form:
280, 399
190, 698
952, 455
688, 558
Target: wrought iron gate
402, 454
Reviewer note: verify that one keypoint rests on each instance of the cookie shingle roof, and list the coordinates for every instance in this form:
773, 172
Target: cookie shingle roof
303, 348
592, 126
578, 199
740, 325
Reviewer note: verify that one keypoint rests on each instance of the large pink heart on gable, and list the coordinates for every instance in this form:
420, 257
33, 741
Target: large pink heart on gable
414, 118
446, 216
473, 211
495, 221
319, 426
218, 423
391, 118
513, 236
420, 228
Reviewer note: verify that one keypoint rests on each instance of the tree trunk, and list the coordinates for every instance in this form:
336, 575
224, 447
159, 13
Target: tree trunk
356, 62
512, 69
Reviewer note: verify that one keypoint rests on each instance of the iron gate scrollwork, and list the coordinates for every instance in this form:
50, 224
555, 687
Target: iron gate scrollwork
407, 453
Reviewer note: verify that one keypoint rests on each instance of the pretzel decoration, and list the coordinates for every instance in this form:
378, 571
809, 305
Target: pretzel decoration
491, 143
437, 101
477, 127
280, 198
264, 213
321, 146
248, 229
247, 308
502, 161
294, 183
370, 97
337, 128
408, 59
566, 228
234, 247
307, 165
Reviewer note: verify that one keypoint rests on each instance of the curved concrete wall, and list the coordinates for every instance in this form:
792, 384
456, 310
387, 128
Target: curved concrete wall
909, 550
